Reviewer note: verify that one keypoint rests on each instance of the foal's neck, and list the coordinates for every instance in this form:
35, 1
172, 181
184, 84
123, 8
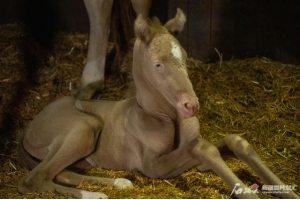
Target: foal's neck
155, 104
148, 97
152, 101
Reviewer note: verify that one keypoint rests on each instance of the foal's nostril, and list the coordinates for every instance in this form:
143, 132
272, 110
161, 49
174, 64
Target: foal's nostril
186, 105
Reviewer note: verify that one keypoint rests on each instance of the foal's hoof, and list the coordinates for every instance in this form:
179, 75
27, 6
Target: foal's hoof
122, 183
93, 195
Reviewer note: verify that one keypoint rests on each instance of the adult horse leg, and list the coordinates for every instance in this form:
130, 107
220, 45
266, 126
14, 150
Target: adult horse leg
63, 151
99, 12
141, 6
93, 74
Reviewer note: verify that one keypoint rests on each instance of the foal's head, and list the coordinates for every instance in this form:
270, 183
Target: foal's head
160, 63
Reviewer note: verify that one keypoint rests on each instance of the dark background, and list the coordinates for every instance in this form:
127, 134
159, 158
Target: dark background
239, 28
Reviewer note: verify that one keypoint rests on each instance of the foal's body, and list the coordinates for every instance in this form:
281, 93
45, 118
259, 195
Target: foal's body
123, 141
64, 114
155, 132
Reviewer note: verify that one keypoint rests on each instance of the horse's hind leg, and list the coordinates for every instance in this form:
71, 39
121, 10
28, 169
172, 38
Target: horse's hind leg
49, 185
72, 178
63, 152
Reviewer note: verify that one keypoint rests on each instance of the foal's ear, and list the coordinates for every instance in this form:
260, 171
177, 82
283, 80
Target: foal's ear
142, 30
176, 25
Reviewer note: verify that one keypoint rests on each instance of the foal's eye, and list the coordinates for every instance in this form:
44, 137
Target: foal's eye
158, 65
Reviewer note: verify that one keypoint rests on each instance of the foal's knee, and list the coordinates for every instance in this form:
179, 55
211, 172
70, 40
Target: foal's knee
206, 151
83, 138
239, 146
85, 142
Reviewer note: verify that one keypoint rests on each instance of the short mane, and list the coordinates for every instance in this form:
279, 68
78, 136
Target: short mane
156, 26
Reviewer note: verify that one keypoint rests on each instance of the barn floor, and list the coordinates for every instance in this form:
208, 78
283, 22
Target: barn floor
256, 98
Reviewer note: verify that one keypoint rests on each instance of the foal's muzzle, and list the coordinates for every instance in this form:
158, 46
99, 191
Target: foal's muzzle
187, 105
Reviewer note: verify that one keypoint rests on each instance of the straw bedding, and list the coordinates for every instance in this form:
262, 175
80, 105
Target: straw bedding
257, 98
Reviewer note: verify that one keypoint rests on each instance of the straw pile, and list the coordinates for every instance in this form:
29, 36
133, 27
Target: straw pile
256, 98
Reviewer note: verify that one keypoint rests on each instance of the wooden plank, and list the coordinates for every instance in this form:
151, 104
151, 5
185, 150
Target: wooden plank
246, 22
83, 19
9, 11
159, 9
222, 29
39, 20
290, 32
199, 24
270, 28
67, 13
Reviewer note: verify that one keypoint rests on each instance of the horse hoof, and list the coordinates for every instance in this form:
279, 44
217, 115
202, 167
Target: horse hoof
122, 183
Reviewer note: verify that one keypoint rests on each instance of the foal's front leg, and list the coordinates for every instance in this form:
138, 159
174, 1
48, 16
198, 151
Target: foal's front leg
192, 152
211, 157
195, 153
179, 160
244, 151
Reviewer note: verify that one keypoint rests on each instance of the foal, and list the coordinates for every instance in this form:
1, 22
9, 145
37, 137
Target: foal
155, 132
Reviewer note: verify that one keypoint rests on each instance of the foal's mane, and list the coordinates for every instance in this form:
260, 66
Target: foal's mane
156, 26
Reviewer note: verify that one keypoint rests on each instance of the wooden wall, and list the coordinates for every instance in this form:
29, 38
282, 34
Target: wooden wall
239, 28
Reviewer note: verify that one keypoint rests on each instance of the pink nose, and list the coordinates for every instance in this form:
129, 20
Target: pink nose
188, 105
